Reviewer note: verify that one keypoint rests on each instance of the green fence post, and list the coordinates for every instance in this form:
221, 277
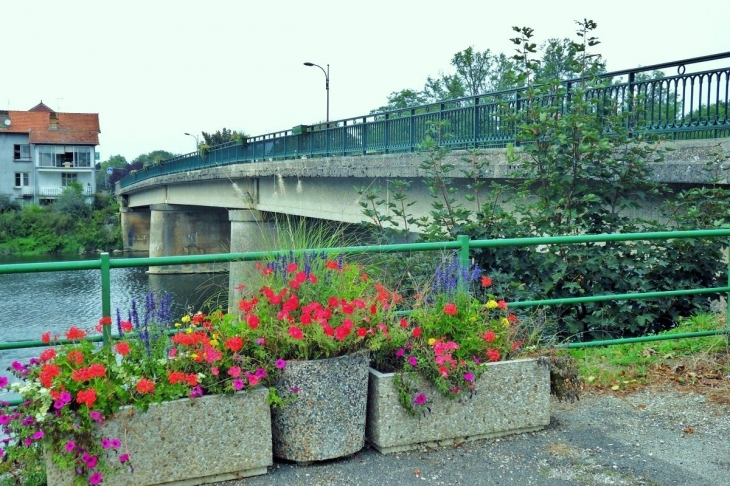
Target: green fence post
463, 257
106, 306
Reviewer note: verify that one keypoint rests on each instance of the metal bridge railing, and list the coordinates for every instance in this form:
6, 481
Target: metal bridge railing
680, 106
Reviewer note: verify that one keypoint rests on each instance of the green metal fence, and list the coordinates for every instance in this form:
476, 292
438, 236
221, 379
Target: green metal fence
462, 245
677, 106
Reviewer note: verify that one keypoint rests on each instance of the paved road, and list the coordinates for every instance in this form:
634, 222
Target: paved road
647, 438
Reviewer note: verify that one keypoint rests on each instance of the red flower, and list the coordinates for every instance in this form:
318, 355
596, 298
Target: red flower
295, 332
403, 323
48, 354
516, 345
48, 372
493, 354
341, 333
122, 348
333, 302
192, 379
252, 320
450, 309
105, 321
175, 377
247, 305
87, 397
486, 282
416, 332
145, 385
126, 326
490, 336
300, 277
46, 337
75, 333
328, 330
234, 344
362, 332
512, 318
292, 267
75, 356
502, 304
332, 265
365, 277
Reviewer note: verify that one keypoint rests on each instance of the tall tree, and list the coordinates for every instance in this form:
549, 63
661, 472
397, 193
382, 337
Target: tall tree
222, 136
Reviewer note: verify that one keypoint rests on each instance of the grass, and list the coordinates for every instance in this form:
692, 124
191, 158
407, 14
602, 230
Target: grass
701, 362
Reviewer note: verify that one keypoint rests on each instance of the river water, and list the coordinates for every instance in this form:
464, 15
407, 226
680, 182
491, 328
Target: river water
33, 303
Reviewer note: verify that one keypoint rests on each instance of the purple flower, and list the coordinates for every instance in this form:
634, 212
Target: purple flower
115, 443
105, 443
95, 478
17, 366
468, 377
400, 353
124, 458
27, 442
412, 360
294, 389
27, 420
58, 404
39, 435
91, 463
196, 392
66, 397
280, 363
95, 415
2, 453
86, 457
419, 399
3, 381
70, 446
476, 360
261, 373
237, 384
4, 419
260, 341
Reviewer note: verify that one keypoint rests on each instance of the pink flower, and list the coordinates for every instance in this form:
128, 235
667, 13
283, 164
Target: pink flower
234, 371
70, 445
412, 360
419, 399
214, 371
280, 363
96, 478
237, 384
124, 458
400, 353
468, 377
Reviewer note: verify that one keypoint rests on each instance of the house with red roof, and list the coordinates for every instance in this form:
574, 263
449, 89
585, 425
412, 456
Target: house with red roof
42, 150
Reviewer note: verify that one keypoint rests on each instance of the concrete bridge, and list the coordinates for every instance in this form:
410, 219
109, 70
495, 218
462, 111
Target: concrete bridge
219, 200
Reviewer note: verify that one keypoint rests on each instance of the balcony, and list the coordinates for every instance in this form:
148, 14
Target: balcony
53, 191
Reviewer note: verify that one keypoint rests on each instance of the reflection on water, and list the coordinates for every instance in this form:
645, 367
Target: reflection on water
32, 303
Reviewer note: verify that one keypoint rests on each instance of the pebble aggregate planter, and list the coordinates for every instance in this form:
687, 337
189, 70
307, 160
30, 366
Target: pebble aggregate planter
189, 442
327, 420
511, 397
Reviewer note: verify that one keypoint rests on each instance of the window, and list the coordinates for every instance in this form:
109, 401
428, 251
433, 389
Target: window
22, 179
65, 156
66, 178
21, 152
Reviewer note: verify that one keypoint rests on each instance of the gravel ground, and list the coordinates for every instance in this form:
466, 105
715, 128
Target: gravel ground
651, 437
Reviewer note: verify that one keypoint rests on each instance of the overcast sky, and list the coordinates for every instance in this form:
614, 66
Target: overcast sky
155, 69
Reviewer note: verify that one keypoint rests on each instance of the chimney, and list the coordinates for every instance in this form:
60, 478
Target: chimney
54, 121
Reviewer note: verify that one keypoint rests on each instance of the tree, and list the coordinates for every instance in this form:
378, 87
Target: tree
118, 162
223, 136
72, 201
399, 100
153, 158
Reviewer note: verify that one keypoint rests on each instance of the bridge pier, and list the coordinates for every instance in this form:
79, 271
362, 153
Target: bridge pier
135, 229
188, 230
249, 232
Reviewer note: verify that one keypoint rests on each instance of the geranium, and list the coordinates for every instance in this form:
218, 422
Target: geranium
312, 306
463, 327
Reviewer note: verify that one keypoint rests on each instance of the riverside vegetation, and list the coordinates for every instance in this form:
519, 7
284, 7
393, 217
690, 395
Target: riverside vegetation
69, 225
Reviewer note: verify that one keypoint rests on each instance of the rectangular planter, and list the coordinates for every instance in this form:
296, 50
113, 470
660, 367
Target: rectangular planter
189, 442
511, 397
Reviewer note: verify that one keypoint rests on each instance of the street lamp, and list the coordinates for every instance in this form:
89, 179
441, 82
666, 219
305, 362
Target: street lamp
197, 143
327, 85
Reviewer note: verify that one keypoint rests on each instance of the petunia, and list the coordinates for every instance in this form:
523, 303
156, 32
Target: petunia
3, 381
419, 399
96, 478
468, 377
124, 458
280, 363
412, 360
237, 384
70, 445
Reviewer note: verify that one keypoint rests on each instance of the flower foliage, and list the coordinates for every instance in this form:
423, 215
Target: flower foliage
456, 326
312, 306
70, 390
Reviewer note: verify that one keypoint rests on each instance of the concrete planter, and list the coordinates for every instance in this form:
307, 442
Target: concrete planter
327, 419
511, 397
189, 442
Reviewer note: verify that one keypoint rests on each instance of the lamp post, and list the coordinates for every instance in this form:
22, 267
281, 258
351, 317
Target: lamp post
327, 85
197, 143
